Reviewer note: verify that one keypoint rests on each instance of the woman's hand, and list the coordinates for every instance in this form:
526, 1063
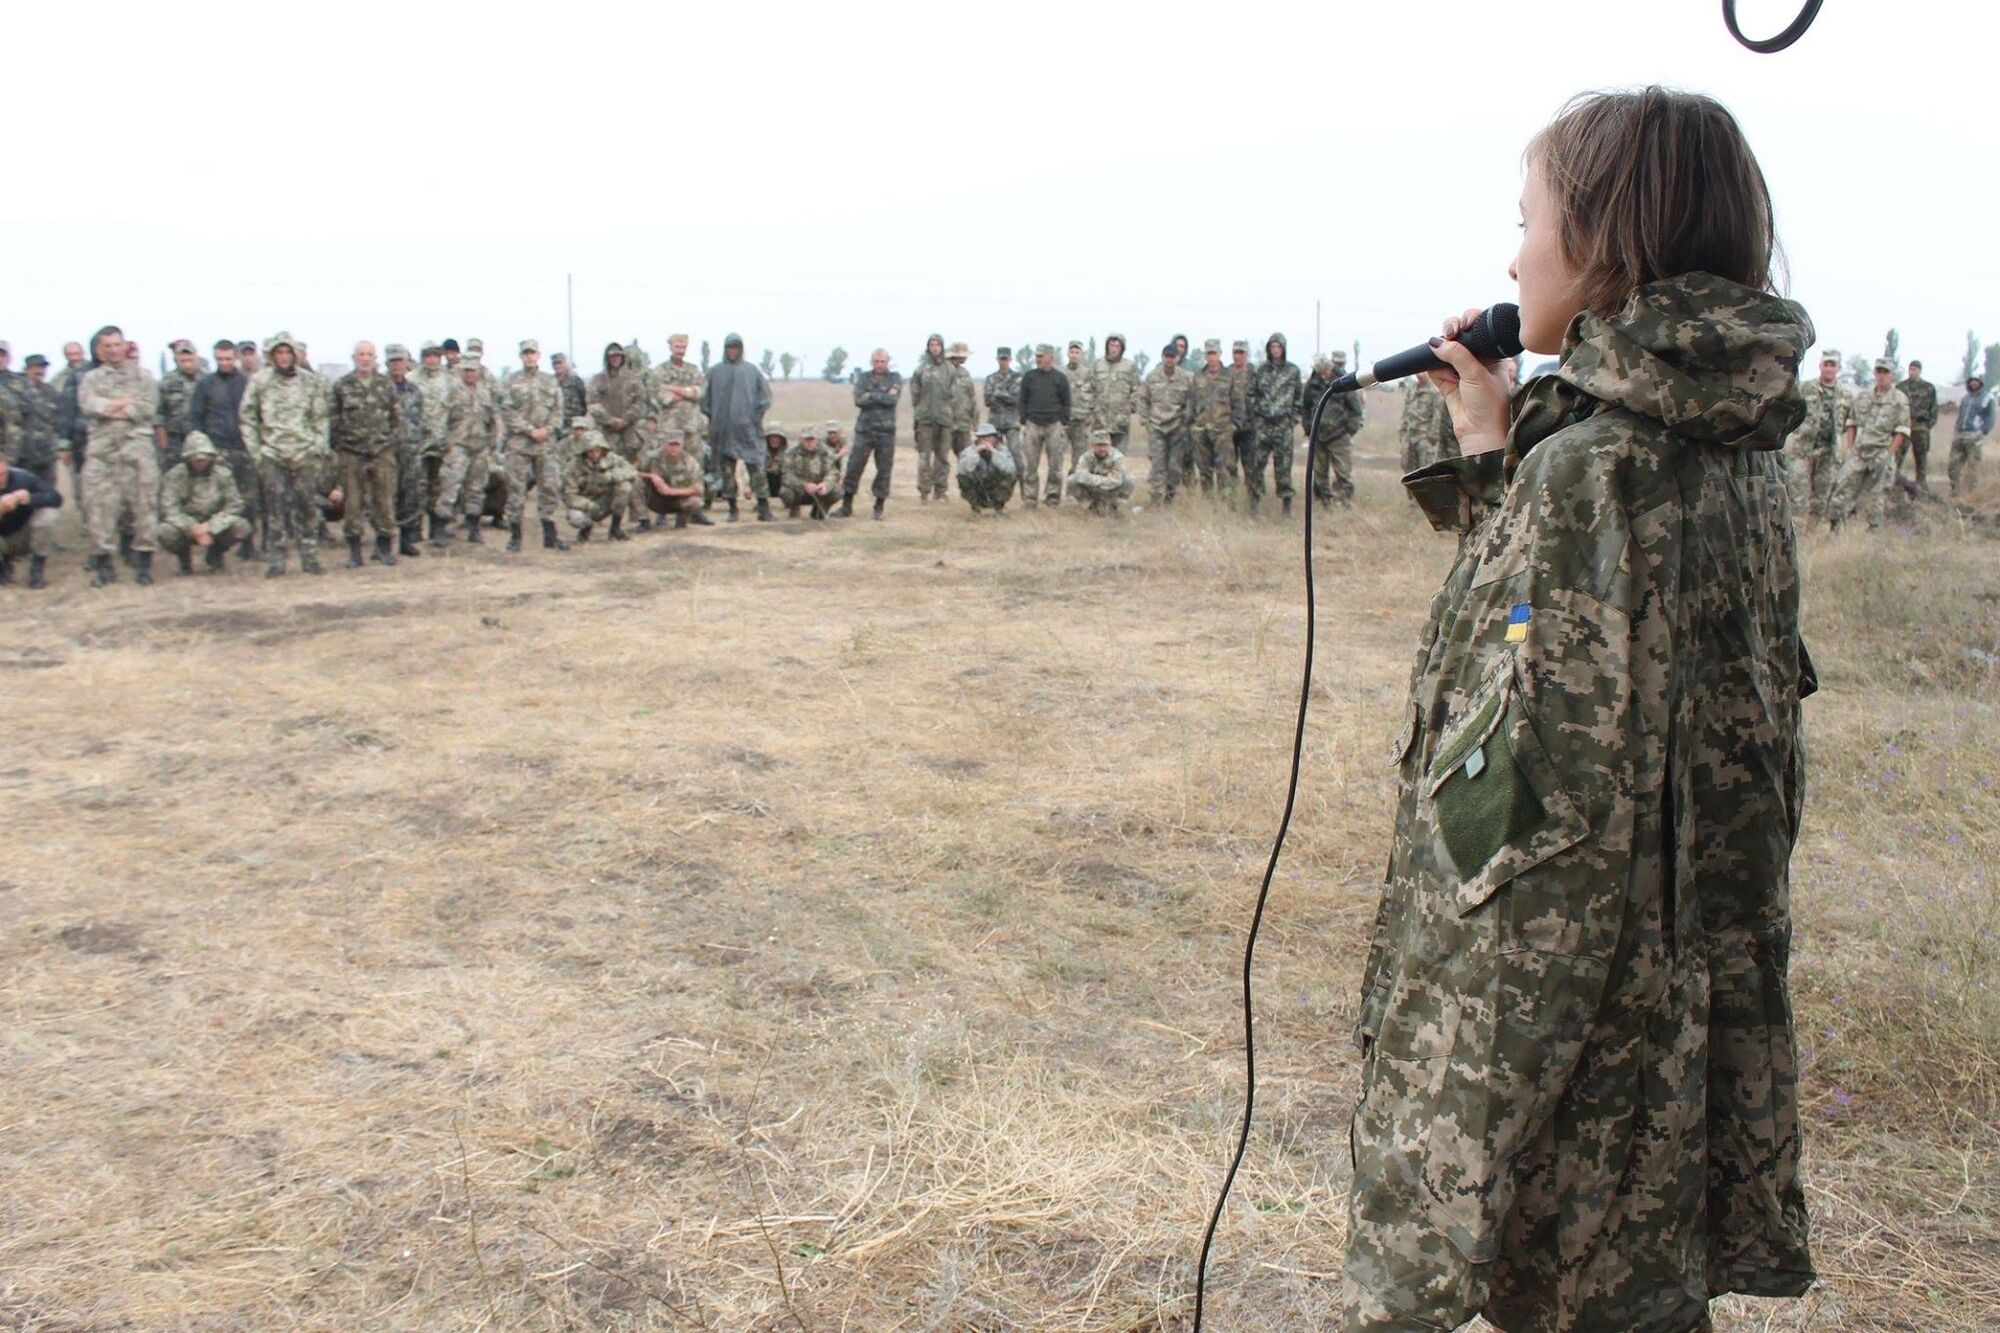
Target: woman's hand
1473, 390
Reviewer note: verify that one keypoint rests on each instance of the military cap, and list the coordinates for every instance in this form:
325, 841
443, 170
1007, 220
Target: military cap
830, 428
958, 349
246, 346
279, 339
530, 345
1322, 363
35, 359
773, 428
470, 361
1100, 436
1884, 363
1339, 360
614, 349
986, 428
581, 423
1045, 349
1007, 352
674, 437
1171, 349
180, 345
198, 445
1830, 354
395, 352
430, 345
1077, 343
474, 345
809, 431
448, 345
1240, 345
1211, 345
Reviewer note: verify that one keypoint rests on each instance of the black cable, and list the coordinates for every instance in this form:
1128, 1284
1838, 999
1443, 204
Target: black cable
1264, 891
1771, 45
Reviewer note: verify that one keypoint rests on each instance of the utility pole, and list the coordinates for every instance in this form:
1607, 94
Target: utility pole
569, 287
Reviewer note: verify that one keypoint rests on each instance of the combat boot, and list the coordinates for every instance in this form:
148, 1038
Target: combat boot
274, 563
846, 509
878, 508
143, 562
819, 512
513, 536
472, 530
618, 533
698, 517
354, 553
407, 540
385, 550
38, 571
733, 516
583, 533
6, 570
550, 541
102, 571
309, 563
185, 556
248, 550
643, 525
213, 560
125, 552
791, 511
681, 519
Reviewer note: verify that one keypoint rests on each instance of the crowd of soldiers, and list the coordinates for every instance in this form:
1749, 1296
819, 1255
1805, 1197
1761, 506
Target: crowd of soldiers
1847, 455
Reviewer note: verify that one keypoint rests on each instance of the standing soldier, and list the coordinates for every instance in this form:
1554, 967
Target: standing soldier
1082, 410
10, 402
476, 349
1166, 404
365, 424
121, 473
177, 400
284, 422
597, 484
1047, 409
964, 408
1114, 389
576, 399
1333, 446
74, 363
215, 411
1421, 403
617, 397
736, 399
932, 409
1218, 402
248, 360
531, 408
876, 392
38, 445
1876, 432
413, 409
1240, 371
200, 507
471, 434
436, 384
1812, 452
1975, 423
675, 387
1274, 413
1923, 400
1003, 402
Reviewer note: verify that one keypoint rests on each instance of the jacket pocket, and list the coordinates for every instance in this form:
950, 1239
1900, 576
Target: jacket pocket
1496, 802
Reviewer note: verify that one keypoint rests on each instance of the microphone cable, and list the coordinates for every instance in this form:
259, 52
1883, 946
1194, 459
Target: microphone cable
1264, 890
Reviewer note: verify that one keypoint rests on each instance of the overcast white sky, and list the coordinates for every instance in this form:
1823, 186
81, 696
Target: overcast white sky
819, 174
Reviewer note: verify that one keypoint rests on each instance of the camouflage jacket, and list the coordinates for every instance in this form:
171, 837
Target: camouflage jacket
412, 406
1829, 408
1166, 402
576, 399
1003, 399
964, 401
931, 390
213, 498
676, 414
436, 387
986, 478
620, 396
1218, 399
684, 471
35, 436
1421, 403
1082, 395
284, 417
1241, 378
1114, 385
1343, 416
876, 396
1274, 393
13, 408
1578, 1103
1922, 396
1877, 418
1104, 473
472, 418
364, 416
177, 404
801, 467
585, 484
533, 399
104, 386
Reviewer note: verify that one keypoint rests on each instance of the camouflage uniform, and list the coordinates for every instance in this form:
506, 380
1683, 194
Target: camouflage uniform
1240, 376
420, 415
208, 500
176, 416
1166, 404
1082, 407
1578, 1088
121, 473
932, 412
964, 408
621, 395
37, 436
529, 400
1422, 405
671, 413
1813, 451
684, 471
1865, 480
1102, 483
875, 397
471, 433
284, 423
987, 483
803, 467
594, 490
1002, 400
1114, 385
1968, 440
1333, 447
1923, 400
1274, 415
365, 426
1218, 404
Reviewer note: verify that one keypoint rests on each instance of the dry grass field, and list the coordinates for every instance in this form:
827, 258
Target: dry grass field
835, 926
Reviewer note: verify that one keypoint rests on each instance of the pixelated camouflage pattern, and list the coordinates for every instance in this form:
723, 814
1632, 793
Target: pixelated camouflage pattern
1102, 483
188, 500
284, 417
1579, 1106
594, 490
931, 388
671, 413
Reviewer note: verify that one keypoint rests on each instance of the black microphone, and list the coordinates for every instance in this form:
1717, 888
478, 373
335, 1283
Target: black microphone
1495, 334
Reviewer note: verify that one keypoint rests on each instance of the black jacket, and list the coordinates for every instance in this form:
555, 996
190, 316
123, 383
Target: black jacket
41, 495
212, 410
1044, 397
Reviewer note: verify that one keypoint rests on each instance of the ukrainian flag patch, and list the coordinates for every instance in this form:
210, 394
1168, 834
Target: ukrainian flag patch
1517, 622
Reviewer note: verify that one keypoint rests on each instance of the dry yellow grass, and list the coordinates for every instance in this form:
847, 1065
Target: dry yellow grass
834, 926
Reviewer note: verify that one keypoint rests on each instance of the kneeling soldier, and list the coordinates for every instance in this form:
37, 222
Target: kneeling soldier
986, 471
200, 506
811, 476
27, 522
596, 483
674, 484
1100, 479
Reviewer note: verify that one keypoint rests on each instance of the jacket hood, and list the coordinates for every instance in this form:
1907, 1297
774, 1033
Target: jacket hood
1284, 349
609, 348
1122, 346
937, 338
1710, 359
